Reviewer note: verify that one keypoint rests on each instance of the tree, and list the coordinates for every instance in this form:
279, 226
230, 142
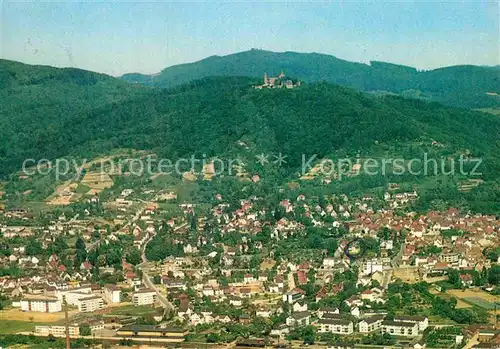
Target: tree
80, 244
134, 256
85, 330
494, 275
34, 248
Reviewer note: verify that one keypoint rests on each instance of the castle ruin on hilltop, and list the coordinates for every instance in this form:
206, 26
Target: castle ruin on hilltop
279, 81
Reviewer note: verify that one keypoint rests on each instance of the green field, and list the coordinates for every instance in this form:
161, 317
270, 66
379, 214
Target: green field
14, 326
480, 302
141, 310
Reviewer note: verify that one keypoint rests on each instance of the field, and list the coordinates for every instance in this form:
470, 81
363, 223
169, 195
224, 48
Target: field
132, 310
64, 194
97, 181
480, 303
14, 326
472, 296
477, 298
18, 315
407, 274
460, 303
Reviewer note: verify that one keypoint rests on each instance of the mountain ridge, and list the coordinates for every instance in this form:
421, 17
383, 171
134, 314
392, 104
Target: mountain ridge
463, 86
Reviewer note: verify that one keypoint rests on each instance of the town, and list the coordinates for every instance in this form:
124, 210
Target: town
335, 271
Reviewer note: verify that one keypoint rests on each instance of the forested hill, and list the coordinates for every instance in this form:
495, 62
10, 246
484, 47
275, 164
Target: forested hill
461, 86
48, 113
36, 103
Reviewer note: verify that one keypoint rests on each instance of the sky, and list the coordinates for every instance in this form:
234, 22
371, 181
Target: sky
117, 37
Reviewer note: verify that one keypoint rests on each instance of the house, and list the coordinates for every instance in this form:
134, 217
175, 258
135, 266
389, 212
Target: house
371, 266
354, 301
41, 304
356, 312
421, 321
112, 293
336, 326
244, 319
184, 309
293, 295
236, 301
420, 344
144, 297
299, 319
329, 262
263, 312
395, 328
373, 323
466, 280
299, 307
280, 331
372, 295
248, 278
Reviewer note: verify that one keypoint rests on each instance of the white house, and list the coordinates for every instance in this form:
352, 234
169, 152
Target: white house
298, 307
299, 319
329, 262
112, 293
281, 331
326, 311
370, 266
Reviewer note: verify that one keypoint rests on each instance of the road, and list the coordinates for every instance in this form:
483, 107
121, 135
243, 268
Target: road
146, 279
291, 281
386, 279
397, 259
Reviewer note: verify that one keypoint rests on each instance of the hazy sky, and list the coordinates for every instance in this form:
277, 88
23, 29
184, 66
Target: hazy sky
115, 37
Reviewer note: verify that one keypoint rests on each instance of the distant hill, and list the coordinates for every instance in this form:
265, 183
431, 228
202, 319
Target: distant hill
462, 86
37, 103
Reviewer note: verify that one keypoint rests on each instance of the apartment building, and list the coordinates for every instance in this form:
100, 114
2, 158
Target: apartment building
336, 326
421, 321
57, 331
90, 304
144, 297
371, 324
42, 304
396, 328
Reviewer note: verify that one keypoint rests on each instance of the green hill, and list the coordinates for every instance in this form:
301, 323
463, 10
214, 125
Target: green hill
461, 86
38, 101
50, 113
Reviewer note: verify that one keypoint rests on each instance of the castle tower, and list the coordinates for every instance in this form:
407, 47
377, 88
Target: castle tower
266, 79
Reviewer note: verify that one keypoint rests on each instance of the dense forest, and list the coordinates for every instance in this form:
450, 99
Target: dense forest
460, 86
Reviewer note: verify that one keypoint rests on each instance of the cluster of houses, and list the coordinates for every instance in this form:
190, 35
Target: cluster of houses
426, 245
